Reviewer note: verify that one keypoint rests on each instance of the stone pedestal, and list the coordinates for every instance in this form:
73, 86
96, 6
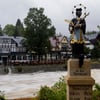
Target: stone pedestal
79, 80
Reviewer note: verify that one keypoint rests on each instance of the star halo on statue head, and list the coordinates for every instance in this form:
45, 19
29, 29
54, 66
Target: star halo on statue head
79, 7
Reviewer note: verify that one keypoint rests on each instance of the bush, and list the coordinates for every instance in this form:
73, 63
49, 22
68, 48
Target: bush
56, 92
46, 93
2, 97
60, 89
96, 92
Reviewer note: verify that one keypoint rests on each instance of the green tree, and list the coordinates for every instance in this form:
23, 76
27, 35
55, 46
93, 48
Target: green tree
91, 32
19, 29
38, 30
86, 50
1, 31
96, 51
9, 29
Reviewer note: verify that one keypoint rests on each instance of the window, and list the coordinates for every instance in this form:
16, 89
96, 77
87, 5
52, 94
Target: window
24, 57
19, 57
13, 57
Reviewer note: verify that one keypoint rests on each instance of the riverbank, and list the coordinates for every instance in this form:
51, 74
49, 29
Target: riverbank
30, 69
36, 68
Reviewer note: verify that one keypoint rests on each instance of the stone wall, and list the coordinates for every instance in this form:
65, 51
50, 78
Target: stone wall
31, 69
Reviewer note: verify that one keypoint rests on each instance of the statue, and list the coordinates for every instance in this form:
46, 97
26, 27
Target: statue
77, 28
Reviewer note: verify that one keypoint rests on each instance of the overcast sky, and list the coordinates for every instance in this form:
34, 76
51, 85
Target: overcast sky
56, 10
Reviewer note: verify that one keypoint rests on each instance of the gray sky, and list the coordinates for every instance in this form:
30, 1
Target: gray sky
56, 10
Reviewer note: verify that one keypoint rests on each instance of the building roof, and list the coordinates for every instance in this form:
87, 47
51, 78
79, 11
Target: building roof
55, 40
17, 39
91, 36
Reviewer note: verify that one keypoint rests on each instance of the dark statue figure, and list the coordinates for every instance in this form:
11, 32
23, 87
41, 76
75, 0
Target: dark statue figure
77, 28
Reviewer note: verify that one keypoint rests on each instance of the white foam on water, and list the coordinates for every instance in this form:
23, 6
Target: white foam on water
27, 85
95, 73
24, 85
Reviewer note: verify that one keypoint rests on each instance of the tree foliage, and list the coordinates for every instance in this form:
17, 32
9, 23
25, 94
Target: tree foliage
2, 95
96, 92
96, 51
86, 50
9, 29
19, 29
56, 92
1, 32
91, 32
38, 30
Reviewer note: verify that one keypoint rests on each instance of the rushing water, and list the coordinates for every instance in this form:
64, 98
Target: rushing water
27, 85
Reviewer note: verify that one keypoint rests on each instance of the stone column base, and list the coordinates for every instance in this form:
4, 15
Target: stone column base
79, 80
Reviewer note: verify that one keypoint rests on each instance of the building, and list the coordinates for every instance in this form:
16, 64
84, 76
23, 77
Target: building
10, 45
60, 45
91, 39
88, 44
13, 52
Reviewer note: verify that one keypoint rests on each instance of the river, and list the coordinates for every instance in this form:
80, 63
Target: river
27, 85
